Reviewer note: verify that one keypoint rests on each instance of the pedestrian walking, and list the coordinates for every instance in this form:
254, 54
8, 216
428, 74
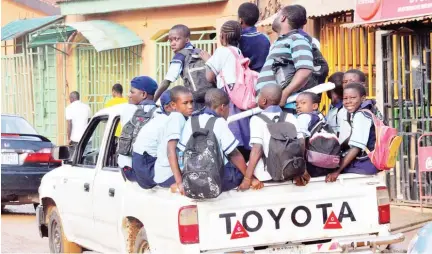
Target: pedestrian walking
77, 116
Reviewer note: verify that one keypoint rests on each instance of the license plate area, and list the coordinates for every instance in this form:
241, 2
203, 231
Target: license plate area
288, 249
9, 158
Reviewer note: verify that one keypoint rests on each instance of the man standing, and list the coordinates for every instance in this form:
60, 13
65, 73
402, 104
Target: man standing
77, 116
117, 93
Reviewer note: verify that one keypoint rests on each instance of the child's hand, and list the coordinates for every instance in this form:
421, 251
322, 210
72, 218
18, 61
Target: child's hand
302, 180
332, 177
204, 55
256, 184
245, 185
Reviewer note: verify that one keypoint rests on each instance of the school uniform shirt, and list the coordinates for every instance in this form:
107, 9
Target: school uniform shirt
172, 131
226, 140
223, 61
358, 132
150, 135
332, 115
125, 117
176, 66
78, 113
306, 123
250, 41
261, 135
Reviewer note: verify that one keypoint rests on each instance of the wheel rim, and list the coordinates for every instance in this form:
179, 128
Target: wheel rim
56, 237
144, 247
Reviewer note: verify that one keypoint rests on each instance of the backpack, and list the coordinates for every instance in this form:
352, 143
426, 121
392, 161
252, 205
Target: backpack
203, 170
194, 74
321, 68
285, 158
131, 129
387, 144
242, 94
322, 150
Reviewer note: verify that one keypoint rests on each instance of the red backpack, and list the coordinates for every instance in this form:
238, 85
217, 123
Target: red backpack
387, 144
242, 94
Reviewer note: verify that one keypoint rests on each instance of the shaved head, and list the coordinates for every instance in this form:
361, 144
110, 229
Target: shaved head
272, 93
215, 97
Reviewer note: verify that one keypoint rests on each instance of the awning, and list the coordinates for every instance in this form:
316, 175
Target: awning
18, 28
106, 35
51, 36
387, 22
317, 8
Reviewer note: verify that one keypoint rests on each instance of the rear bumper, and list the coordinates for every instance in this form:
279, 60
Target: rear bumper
365, 244
18, 183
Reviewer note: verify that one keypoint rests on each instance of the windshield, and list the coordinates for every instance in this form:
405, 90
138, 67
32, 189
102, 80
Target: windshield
17, 125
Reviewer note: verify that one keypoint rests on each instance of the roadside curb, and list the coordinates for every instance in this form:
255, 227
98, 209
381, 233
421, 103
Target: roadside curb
410, 226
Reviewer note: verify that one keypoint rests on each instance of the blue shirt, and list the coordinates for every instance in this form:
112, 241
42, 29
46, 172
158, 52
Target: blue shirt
176, 65
255, 46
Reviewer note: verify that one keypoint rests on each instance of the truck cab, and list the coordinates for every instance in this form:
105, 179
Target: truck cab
86, 204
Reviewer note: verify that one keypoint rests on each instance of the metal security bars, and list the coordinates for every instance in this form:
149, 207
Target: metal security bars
408, 106
98, 72
205, 40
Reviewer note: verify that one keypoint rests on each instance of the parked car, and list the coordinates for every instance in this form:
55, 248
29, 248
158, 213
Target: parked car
25, 158
86, 204
422, 241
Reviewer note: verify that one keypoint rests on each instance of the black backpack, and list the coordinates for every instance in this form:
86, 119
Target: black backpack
131, 129
285, 159
194, 74
204, 166
321, 68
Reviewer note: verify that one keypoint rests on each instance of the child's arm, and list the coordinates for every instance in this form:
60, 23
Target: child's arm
162, 88
173, 161
255, 155
351, 155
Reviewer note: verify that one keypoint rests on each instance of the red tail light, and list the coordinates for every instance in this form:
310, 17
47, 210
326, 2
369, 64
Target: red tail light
42, 156
188, 224
9, 135
383, 201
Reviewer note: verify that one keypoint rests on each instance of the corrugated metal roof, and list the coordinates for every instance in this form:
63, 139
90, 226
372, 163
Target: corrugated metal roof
317, 8
106, 35
20, 27
387, 22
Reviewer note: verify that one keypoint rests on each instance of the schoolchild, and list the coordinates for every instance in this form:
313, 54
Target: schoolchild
253, 44
217, 105
336, 105
167, 169
141, 94
146, 144
358, 135
268, 100
223, 63
308, 116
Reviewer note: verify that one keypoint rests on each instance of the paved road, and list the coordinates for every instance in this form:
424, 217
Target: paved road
19, 232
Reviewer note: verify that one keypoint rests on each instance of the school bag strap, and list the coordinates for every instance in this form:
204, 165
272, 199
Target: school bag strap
197, 130
280, 118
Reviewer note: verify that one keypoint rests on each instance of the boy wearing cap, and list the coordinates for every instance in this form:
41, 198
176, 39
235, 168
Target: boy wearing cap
146, 144
141, 94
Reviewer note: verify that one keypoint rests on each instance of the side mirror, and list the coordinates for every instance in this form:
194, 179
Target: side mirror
61, 153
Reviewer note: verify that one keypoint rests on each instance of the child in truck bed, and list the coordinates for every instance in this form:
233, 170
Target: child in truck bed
357, 136
336, 101
308, 116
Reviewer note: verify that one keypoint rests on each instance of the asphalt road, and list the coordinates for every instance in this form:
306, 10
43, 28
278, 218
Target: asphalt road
20, 235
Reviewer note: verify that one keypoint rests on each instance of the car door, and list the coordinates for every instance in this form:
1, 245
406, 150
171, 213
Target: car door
79, 182
108, 193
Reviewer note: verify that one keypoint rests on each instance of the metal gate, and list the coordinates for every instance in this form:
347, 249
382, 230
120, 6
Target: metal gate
205, 40
99, 71
407, 101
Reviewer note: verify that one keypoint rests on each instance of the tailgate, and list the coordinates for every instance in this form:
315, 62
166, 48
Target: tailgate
287, 213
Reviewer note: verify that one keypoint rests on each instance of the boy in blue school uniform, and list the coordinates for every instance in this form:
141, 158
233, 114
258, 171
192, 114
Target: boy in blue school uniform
253, 44
308, 116
358, 135
336, 101
217, 104
179, 39
141, 94
167, 169
146, 144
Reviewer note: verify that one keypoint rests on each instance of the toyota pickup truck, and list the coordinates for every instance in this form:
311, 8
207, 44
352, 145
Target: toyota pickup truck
86, 205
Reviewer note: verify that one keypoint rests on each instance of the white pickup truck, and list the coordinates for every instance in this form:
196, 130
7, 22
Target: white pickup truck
86, 204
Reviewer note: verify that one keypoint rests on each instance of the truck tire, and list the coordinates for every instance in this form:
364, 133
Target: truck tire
58, 242
141, 243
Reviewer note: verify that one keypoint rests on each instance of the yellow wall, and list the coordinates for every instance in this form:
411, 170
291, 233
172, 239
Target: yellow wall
13, 11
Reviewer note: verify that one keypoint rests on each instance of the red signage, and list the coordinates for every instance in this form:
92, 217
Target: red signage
239, 231
382, 10
332, 222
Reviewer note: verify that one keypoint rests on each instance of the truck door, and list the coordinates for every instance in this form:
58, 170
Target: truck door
79, 183
107, 201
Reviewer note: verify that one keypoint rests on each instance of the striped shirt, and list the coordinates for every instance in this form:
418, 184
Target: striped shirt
290, 49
